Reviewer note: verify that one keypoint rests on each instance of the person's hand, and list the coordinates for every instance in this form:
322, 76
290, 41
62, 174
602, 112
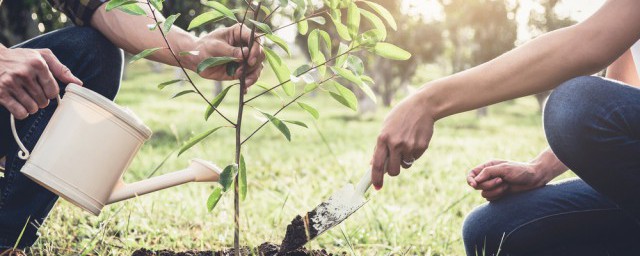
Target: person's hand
405, 135
28, 79
231, 43
499, 178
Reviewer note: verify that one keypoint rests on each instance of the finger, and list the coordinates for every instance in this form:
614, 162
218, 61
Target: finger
58, 69
495, 194
490, 184
256, 52
25, 100
490, 172
471, 181
35, 90
244, 37
378, 165
393, 167
476, 170
406, 157
18, 111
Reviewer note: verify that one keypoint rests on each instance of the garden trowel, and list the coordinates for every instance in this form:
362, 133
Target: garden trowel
328, 214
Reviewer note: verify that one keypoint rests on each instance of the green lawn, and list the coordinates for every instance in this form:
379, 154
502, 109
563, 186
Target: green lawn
418, 213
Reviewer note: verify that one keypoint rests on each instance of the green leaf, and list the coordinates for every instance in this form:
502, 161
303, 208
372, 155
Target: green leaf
263, 27
333, 4
214, 198
318, 19
327, 40
370, 38
343, 31
266, 10
344, 96
280, 125
280, 42
310, 87
242, 178
311, 110
347, 74
132, 9
204, 18
157, 4
222, 9
153, 26
390, 51
266, 87
117, 3
317, 57
182, 93
227, 175
165, 84
196, 139
281, 70
296, 123
213, 62
384, 13
192, 53
302, 69
166, 26
284, 3
144, 54
231, 68
216, 102
367, 79
342, 49
353, 19
376, 22
303, 27
355, 64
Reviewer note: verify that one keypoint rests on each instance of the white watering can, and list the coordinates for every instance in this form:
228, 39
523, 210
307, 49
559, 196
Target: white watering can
88, 145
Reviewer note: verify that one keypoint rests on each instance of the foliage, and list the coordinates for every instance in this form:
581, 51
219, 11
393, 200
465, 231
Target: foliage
344, 66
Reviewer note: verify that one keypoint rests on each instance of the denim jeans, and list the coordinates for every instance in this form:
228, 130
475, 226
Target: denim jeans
593, 125
98, 63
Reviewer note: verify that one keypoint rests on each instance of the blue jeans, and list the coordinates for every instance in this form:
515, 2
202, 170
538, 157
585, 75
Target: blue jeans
98, 63
593, 125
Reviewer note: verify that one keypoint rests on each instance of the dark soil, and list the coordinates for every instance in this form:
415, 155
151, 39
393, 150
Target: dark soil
265, 249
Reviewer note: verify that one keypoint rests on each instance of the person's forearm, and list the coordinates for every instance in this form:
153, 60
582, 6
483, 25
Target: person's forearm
624, 70
542, 64
549, 165
130, 32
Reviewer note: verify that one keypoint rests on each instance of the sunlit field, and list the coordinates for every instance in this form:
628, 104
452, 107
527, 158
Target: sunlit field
418, 213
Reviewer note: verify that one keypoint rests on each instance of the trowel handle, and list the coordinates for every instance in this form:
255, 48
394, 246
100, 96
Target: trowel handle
365, 181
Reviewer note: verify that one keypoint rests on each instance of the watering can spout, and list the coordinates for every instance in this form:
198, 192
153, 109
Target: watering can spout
198, 171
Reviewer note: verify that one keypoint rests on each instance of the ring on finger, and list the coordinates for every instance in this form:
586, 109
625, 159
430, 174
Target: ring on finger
409, 162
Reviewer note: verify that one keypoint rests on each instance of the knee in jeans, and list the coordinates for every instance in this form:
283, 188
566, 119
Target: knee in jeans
474, 228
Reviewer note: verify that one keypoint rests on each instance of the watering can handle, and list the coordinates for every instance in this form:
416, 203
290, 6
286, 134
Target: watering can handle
24, 152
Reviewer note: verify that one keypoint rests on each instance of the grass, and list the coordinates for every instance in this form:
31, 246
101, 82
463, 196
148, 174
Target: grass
420, 212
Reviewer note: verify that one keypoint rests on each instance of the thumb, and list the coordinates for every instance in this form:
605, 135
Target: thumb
489, 173
234, 52
59, 70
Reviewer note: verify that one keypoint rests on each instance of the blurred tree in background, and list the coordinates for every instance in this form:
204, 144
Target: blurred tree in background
469, 32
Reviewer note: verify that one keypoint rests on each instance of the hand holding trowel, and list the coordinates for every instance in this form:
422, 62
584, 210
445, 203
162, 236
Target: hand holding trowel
328, 214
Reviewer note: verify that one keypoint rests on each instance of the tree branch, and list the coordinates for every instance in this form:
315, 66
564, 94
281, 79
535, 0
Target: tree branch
280, 110
306, 71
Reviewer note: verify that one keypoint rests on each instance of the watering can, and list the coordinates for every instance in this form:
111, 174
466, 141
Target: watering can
88, 145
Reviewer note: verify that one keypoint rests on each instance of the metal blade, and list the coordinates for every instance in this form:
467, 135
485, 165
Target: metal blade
328, 214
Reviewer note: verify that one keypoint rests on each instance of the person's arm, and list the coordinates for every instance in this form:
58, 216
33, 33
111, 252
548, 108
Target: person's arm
624, 70
130, 33
540, 65
498, 178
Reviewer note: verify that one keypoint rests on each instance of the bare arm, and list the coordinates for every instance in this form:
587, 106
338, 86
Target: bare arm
130, 33
624, 70
539, 65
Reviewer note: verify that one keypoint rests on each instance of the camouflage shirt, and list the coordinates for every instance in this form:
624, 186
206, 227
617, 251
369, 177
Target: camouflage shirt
79, 11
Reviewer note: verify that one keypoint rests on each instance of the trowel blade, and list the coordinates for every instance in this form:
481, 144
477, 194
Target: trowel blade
328, 214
